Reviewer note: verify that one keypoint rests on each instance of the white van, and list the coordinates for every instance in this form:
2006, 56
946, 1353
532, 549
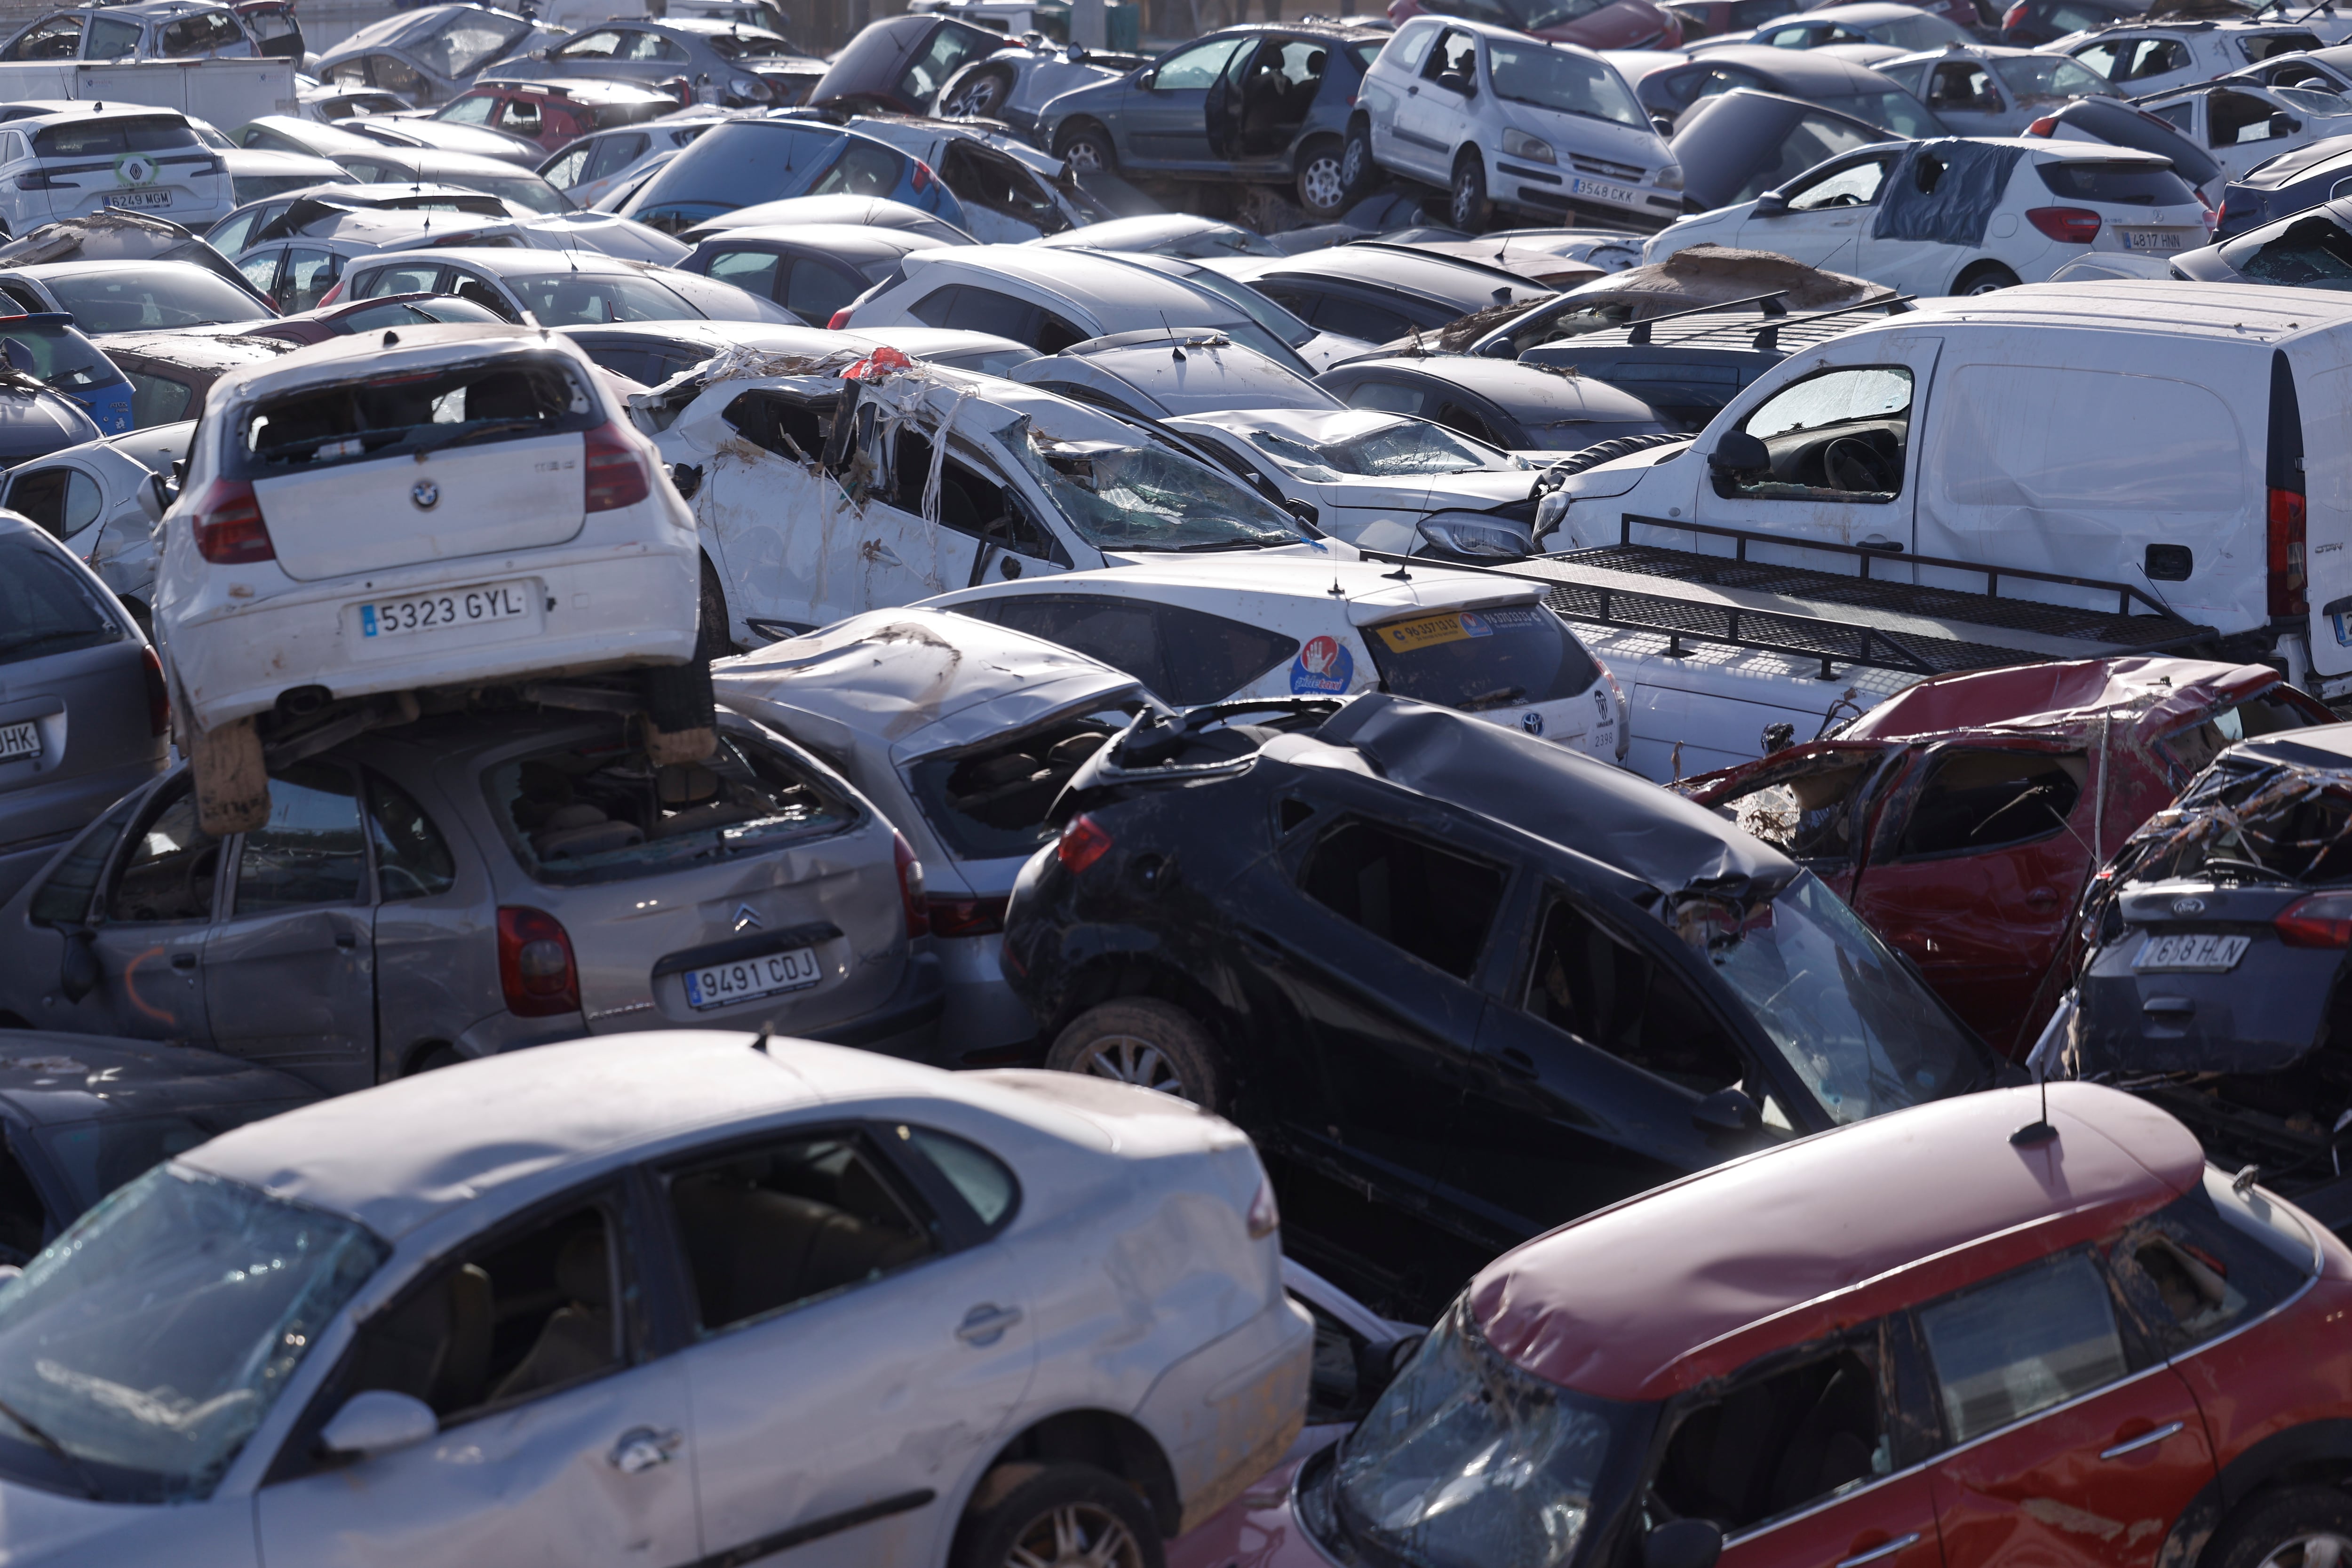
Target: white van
2132, 449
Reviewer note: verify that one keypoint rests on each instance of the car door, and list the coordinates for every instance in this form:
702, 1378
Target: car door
1967, 99
290, 966
566, 1441
860, 1335
63, 498
150, 922
309, 273
2055, 1417
1431, 122
260, 269
1167, 117
1395, 71
2247, 126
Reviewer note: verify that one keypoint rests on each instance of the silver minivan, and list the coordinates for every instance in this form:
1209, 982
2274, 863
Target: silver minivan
82, 713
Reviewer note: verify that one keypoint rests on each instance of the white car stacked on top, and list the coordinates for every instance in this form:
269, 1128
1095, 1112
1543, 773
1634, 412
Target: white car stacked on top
1875, 212
444, 507
682, 1297
90, 158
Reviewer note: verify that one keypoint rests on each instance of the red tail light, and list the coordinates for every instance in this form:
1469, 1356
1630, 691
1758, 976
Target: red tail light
334, 296
966, 917
920, 178
840, 322
2067, 225
535, 966
1084, 842
159, 696
910, 885
616, 470
2013, 17
2045, 126
229, 529
2286, 577
2323, 919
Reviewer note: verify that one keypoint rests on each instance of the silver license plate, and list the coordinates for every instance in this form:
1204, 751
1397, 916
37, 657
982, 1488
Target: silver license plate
1618, 194
2190, 955
474, 606
18, 742
148, 199
724, 984
2151, 238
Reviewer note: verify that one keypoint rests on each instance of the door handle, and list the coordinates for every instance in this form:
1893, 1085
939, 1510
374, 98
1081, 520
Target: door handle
1516, 1062
183, 961
641, 1449
882, 554
346, 940
2145, 1440
2041, 898
985, 1324
1900, 1543
1413, 92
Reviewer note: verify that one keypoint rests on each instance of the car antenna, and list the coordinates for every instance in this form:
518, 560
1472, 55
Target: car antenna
1399, 575
767, 1029
2034, 1134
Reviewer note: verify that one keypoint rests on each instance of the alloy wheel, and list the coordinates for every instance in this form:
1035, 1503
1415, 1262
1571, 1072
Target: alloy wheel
2315, 1548
976, 99
1469, 195
1076, 1535
1083, 156
1130, 1058
1324, 181
1351, 165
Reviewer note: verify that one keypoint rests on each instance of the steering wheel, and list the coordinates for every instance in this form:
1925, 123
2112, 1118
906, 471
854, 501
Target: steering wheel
1853, 464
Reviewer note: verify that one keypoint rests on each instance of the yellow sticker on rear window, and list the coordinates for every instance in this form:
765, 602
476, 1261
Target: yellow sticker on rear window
1428, 631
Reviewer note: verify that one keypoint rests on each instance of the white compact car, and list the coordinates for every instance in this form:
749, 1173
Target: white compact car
92, 159
2012, 210
1229, 627
97, 497
443, 506
685, 1297
1497, 117
2142, 57
2243, 124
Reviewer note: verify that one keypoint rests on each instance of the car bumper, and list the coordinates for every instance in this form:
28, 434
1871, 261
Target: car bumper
1226, 1413
983, 1019
1542, 190
907, 1025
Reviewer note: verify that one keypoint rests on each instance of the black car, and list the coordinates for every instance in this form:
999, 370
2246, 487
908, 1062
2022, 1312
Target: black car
897, 65
1380, 292
2215, 982
1478, 979
2030, 24
813, 271
2288, 184
1519, 407
83, 1114
2312, 249
1736, 146
1814, 77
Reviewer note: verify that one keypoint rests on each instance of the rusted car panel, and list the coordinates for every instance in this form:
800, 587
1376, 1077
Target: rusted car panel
1963, 817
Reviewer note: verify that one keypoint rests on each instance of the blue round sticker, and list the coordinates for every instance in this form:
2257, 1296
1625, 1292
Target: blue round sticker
1323, 668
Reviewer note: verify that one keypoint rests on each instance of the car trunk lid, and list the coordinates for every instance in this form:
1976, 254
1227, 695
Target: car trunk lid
407, 510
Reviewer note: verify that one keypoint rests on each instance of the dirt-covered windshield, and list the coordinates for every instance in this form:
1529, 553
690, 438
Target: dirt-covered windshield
1864, 1035
140, 1351
1142, 497
1468, 1462
1392, 447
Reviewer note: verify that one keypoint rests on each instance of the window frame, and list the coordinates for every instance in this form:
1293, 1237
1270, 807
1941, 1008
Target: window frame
1500, 926
2140, 1356
1729, 488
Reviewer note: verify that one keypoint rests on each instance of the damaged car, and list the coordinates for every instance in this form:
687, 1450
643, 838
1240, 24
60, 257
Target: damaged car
826, 484
1963, 818
1459, 984
2214, 982
95, 500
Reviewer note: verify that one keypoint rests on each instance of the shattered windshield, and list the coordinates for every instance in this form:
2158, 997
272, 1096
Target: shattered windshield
469, 40
1142, 497
990, 802
509, 398
1864, 1035
140, 1349
2246, 820
1469, 1462
1394, 447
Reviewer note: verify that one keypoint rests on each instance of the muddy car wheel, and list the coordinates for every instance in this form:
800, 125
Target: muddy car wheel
1356, 169
1056, 1516
1150, 1043
980, 95
232, 781
1323, 177
1985, 278
1087, 149
2294, 1527
1469, 208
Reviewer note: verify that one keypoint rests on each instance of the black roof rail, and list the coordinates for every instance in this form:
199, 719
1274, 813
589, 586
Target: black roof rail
1770, 304
1767, 336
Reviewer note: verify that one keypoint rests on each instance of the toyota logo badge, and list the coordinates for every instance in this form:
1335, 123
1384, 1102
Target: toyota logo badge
425, 494
1531, 722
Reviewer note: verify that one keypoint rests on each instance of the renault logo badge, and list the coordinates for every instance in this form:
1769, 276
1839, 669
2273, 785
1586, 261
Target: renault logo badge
747, 918
425, 494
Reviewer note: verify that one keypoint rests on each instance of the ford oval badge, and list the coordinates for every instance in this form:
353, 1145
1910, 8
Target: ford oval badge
425, 494
2188, 906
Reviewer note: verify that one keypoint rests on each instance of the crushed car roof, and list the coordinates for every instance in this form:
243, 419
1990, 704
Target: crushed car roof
2152, 695
1691, 1280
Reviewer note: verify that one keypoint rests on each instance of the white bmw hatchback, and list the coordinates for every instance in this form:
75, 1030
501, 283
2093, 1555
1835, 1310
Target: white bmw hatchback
441, 506
681, 1298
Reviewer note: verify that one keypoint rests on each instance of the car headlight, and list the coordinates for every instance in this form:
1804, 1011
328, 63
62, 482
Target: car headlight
1670, 178
1519, 144
749, 87
1550, 512
1487, 541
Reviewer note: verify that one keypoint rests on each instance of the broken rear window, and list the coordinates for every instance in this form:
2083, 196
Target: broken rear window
1394, 447
508, 398
2309, 253
1975, 801
1140, 498
2195, 748
989, 802
1806, 814
601, 812
1504, 655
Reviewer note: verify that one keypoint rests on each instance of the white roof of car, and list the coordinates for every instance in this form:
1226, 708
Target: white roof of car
2234, 312
525, 261
397, 1155
916, 681
417, 348
80, 111
1096, 281
1371, 590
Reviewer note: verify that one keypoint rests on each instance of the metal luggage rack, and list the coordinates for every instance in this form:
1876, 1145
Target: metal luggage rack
1842, 633
1765, 339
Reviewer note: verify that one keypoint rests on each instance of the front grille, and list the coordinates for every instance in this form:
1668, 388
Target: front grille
1585, 165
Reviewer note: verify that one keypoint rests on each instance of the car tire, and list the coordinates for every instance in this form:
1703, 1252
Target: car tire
1985, 278
1087, 149
232, 781
714, 636
1058, 1514
1467, 207
980, 95
2278, 1529
1146, 1042
1322, 182
1357, 170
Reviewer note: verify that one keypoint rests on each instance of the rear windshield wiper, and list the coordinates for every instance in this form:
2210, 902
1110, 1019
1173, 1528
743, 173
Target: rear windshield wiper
1501, 697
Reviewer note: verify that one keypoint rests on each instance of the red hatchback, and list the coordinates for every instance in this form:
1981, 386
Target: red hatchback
1926, 1341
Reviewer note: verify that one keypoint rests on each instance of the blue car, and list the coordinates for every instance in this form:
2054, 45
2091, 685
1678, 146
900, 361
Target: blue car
48, 348
742, 162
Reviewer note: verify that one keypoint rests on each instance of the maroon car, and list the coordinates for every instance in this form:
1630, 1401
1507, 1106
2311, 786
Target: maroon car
1593, 24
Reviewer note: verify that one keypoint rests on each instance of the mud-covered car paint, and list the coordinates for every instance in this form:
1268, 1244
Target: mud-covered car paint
1963, 817
1418, 1118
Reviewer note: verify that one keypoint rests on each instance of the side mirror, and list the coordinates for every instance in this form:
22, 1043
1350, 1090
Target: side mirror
377, 1421
1685, 1543
1771, 203
1661, 125
2284, 124
1726, 1110
1146, 77
1737, 452
154, 500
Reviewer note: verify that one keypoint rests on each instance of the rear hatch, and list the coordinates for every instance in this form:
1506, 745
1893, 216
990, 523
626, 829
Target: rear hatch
413, 467
131, 163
